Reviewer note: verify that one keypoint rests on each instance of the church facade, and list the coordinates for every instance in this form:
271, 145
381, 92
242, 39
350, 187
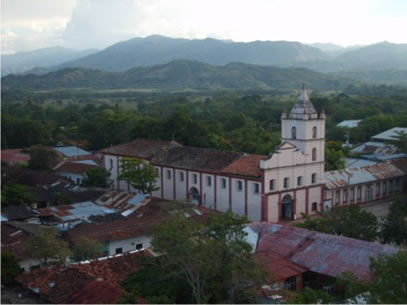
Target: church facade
280, 186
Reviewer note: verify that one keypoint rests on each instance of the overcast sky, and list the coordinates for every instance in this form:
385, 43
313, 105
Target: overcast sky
82, 24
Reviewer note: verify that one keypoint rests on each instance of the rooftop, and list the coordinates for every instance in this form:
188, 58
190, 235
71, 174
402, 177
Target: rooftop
17, 212
74, 167
349, 123
370, 173
247, 165
31, 177
322, 253
390, 134
77, 283
71, 151
303, 108
13, 156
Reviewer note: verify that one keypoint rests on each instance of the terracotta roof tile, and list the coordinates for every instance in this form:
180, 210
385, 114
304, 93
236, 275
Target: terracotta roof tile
76, 168
248, 165
14, 156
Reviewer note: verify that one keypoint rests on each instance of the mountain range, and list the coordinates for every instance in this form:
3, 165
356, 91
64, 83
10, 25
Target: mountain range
179, 75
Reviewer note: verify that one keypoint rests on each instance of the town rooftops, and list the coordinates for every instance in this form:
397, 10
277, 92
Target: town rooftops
71, 151
349, 123
95, 282
140, 148
246, 165
390, 134
16, 212
74, 167
322, 253
13, 156
371, 173
31, 177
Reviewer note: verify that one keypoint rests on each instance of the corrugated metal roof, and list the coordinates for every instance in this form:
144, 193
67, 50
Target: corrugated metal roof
70, 151
352, 162
353, 176
349, 123
390, 134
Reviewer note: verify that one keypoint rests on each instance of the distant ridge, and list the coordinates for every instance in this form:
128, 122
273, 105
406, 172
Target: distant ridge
180, 74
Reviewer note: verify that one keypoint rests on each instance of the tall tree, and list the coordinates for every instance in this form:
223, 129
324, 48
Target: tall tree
394, 226
41, 158
9, 268
87, 249
46, 245
209, 263
16, 194
334, 156
139, 174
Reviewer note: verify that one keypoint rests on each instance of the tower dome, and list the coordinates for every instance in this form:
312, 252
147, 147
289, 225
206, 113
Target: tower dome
303, 108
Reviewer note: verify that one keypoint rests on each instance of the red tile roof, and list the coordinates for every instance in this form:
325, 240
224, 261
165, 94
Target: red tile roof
140, 148
76, 168
322, 253
248, 165
96, 282
13, 156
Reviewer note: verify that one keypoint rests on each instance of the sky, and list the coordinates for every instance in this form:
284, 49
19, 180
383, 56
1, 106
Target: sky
82, 24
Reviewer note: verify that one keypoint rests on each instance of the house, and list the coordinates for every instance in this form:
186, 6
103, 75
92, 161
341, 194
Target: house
297, 258
31, 177
74, 171
90, 282
69, 151
134, 231
13, 237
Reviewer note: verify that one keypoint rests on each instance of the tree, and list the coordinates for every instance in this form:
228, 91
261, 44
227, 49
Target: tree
351, 284
139, 174
41, 158
400, 141
9, 268
98, 177
349, 221
394, 226
334, 156
16, 194
46, 245
209, 263
311, 296
389, 284
87, 249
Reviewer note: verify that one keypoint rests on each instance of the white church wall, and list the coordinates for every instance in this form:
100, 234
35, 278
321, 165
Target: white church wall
222, 193
238, 196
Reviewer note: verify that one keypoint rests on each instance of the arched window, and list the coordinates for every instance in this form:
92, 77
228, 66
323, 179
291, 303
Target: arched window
294, 132
314, 178
286, 183
314, 132
299, 180
314, 154
271, 184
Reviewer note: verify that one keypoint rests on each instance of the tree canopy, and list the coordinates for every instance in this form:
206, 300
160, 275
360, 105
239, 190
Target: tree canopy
87, 249
9, 268
139, 174
98, 177
16, 194
199, 263
41, 158
394, 226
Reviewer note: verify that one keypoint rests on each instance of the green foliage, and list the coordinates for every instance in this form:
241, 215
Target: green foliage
46, 245
311, 296
349, 221
9, 268
98, 177
16, 194
351, 284
334, 156
199, 263
394, 226
389, 285
41, 157
400, 141
139, 174
87, 249
61, 198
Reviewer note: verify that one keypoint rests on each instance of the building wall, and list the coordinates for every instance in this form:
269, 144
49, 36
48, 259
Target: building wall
129, 244
75, 178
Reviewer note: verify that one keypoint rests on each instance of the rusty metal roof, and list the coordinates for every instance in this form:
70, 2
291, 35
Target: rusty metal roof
319, 252
358, 175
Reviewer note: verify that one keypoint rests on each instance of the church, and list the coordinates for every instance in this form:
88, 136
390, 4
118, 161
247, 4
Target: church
281, 186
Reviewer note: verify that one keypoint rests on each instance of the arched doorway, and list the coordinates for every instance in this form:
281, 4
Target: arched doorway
194, 196
287, 207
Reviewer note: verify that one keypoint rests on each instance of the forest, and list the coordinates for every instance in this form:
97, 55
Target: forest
245, 121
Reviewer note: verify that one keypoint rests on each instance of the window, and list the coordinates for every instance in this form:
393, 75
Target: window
314, 132
352, 194
181, 176
272, 184
239, 185
139, 246
314, 206
119, 250
286, 183
337, 197
111, 164
208, 180
290, 283
359, 193
194, 178
345, 195
294, 132
157, 171
256, 188
223, 183
314, 178
168, 174
299, 180
314, 154
377, 190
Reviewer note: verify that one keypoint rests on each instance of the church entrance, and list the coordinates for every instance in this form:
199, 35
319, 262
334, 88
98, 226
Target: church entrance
194, 196
287, 207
